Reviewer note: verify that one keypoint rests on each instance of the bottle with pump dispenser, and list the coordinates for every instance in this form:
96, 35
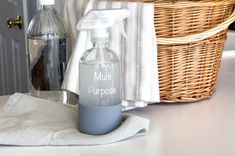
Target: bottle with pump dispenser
100, 106
48, 54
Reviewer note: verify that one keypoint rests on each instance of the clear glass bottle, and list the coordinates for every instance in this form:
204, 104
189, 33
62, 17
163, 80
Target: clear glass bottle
48, 54
100, 77
99, 90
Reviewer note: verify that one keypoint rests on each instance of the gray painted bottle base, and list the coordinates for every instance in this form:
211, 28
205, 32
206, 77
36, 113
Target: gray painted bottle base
99, 120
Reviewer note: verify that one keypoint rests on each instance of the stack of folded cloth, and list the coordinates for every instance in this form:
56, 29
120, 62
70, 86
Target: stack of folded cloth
138, 53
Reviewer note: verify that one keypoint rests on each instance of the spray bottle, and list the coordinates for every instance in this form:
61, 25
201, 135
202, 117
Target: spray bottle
99, 69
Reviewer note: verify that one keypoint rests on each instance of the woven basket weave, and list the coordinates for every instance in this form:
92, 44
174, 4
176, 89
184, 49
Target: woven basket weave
190, 38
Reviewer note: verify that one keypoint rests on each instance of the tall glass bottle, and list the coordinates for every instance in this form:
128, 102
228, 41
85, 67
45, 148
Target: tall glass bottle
48, 54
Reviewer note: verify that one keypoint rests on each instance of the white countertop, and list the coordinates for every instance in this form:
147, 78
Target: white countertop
205, 128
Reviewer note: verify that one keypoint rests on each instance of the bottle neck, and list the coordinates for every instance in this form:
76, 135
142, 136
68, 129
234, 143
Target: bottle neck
99, 45
48, 7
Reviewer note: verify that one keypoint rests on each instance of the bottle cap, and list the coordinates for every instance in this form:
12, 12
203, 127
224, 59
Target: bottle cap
46, 2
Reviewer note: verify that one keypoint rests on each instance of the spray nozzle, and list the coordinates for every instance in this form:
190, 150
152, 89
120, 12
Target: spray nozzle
98, 21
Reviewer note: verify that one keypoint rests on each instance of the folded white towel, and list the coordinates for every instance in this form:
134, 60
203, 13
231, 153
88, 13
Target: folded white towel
138, 52
30, 121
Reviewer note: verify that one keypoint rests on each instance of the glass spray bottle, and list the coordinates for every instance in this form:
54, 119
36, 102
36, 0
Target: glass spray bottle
99, 81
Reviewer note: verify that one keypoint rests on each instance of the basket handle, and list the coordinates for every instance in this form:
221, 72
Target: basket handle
200, 36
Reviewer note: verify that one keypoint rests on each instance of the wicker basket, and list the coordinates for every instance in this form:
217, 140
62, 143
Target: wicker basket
190, 36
